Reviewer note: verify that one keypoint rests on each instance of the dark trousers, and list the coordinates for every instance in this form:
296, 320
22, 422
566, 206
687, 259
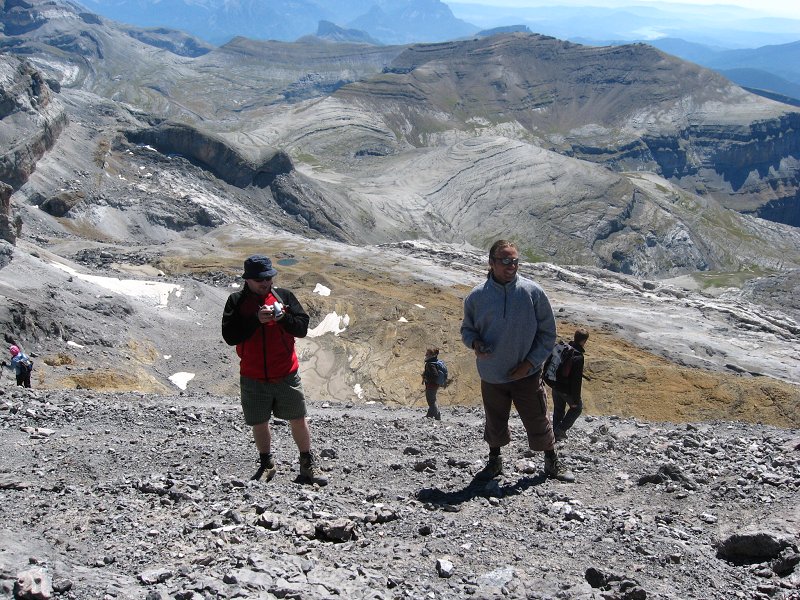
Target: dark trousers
24, 378
530, 399
430, 397
560, 402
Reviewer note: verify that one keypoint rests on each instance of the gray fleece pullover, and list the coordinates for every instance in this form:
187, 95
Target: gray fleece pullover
515, 320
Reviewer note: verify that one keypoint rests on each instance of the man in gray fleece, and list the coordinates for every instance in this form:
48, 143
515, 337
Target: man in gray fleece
509, 324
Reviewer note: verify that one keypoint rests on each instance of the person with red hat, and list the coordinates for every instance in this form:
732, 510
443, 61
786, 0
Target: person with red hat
21, 364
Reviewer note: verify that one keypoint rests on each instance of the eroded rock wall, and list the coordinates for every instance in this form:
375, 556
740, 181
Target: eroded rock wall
31, 119
752, 168
215, 154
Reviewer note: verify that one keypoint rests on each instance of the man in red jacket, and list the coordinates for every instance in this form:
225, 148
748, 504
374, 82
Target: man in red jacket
262, 322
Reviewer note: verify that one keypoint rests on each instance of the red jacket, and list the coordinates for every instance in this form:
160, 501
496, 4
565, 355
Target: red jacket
266, 350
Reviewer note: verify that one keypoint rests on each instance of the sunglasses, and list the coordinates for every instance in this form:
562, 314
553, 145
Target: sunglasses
507, 261
260, 279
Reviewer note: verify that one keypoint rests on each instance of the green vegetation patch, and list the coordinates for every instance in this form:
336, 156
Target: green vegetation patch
725, 279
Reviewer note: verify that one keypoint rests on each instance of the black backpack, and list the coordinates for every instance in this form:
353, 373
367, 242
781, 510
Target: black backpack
436, 372
441, 372
558, 366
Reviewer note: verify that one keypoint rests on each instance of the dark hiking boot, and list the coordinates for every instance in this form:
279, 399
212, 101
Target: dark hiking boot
309, 471
433, 413
492, 469
554, 469
266, 471
560, 434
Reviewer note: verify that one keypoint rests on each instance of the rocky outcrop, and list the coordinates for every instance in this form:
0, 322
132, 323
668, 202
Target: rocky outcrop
215, 154
300, 199
6, 230
30, 119
60, 204
786, 210
170, 40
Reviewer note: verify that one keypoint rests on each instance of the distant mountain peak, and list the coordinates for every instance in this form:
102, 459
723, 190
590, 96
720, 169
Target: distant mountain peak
327, 30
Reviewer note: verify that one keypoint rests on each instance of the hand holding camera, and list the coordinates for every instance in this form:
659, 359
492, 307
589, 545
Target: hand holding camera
270, 312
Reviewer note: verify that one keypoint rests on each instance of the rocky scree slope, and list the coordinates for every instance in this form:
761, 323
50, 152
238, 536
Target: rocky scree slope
134, 496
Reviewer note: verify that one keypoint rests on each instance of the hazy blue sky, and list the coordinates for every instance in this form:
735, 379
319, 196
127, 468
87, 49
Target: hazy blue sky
783, 8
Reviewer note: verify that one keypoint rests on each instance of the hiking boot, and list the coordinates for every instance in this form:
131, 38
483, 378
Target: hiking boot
560, 434
492, 469
309, 471
266, 471
554, 469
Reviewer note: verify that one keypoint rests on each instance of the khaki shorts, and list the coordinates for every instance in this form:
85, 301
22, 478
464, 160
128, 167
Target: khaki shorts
284, 399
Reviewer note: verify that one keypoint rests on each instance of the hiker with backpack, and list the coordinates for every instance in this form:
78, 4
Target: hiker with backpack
22, 365
434, 376
262, 321
564, 373
509, 324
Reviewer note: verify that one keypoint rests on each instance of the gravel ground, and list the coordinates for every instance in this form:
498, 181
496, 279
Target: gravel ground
145, 496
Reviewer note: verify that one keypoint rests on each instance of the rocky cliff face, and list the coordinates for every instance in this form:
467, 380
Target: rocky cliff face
31, 119
214, 154
752, 168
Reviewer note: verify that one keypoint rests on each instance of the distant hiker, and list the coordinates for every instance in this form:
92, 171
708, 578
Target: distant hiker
509, 324
22, 365
434, 376
567, 386
262, 322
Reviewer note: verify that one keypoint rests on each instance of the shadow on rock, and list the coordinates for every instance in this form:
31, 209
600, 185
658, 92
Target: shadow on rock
477, 488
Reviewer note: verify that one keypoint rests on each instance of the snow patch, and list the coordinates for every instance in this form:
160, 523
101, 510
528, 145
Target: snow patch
181, 378
154, 291
321, 290
331, 323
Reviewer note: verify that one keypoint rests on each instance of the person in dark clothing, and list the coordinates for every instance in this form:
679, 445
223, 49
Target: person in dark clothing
22, 366
263, 321
430, 380
569, 393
